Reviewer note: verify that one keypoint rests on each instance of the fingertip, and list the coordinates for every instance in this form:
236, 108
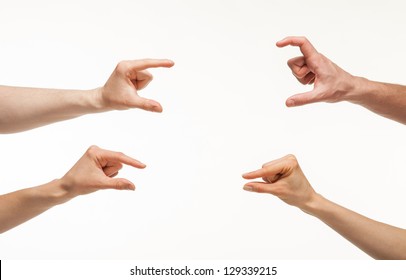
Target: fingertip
281, 43
128, 185
248, 188
155, 107
138, 164
167, 63
253, 174
290, 103
120, 184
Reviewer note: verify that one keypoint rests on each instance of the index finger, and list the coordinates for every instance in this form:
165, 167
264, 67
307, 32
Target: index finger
143, 64
120, 157
255, 174
268, 171
305, 46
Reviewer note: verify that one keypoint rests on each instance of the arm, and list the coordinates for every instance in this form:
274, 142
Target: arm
333, 84
284, 178
26, 108
94, 171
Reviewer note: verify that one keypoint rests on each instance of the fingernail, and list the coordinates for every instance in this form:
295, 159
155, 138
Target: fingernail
156, 108
131, 188
290, 103
248, 188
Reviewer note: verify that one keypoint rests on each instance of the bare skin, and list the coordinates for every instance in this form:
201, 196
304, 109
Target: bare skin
27, 108
284, 178
333, 84
94, 171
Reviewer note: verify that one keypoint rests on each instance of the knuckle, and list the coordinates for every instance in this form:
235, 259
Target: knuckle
292, 160
119, 185
256, 189
122, 67
303, 38
92, 150
299, 74
301, 81
145, 105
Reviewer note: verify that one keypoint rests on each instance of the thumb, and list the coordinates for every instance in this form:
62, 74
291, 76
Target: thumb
146, 104
302, 99
119, 184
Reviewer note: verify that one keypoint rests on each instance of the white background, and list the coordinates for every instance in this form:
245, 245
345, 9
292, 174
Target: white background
224, 114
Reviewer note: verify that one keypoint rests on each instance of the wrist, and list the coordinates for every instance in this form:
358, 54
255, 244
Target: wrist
346, 87
97, 102
314, 205
360, 87
54, 193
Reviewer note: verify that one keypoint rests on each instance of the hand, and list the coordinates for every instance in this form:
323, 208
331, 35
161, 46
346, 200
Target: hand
121, 90
284, 179
331, 83
95, 171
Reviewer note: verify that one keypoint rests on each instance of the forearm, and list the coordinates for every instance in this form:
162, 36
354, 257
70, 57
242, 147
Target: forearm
379, 240
26, 108
387, 100
23, 205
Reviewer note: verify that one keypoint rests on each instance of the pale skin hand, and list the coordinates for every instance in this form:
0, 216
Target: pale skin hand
333, 84
94, 171
284, 178
26, 108
121, 90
